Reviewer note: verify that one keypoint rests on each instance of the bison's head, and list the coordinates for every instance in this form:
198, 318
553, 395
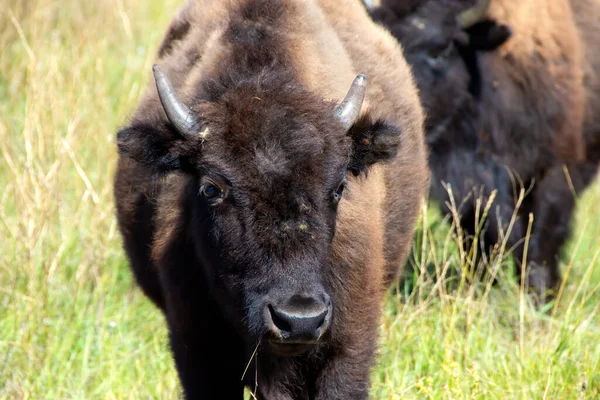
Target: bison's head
267, 162
441, 39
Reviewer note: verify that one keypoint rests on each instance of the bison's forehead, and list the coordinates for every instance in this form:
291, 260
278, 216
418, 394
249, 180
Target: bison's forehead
284, 149
431, 23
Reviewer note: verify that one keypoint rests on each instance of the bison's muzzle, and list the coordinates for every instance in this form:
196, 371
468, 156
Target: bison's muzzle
297, 322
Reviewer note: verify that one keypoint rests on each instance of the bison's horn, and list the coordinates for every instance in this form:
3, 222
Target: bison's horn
180, 116
369, 4
349, 109
471, 16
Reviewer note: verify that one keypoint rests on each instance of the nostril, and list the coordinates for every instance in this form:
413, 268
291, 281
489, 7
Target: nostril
279, 322
322, 321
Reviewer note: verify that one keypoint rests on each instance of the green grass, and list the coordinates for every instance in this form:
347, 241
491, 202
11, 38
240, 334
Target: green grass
72, 322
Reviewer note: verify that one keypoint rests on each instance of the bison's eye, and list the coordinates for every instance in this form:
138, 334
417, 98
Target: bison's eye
440, 52
337, 195
211, 192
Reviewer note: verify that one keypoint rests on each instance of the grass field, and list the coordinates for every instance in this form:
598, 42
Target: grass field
74, 326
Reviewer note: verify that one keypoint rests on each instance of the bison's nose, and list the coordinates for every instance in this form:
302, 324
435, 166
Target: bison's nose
299, 319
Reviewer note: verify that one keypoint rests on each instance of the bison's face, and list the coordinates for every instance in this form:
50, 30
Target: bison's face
440, 39
270, 166
428, 36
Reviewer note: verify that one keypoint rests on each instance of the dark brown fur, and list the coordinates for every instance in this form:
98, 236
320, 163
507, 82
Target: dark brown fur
264, 78
502, 117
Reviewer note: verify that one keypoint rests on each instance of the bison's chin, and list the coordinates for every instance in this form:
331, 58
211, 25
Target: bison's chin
288, 349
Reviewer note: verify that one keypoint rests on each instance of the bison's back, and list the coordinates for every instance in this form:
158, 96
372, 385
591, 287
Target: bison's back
532, 103
587, 16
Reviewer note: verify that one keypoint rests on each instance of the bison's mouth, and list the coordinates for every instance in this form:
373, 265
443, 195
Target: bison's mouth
289, 349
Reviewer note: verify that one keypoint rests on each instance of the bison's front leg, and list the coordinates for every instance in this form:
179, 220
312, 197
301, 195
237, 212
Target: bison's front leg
209, 355
553, 204
207, 367
553, 207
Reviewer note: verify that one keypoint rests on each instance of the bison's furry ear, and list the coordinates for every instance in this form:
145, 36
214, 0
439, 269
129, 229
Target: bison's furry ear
383, 16
488, 35
156, 148
373, 141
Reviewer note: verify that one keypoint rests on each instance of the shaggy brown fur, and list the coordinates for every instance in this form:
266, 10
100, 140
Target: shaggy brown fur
501, 116
587, 16
535, 78
264, 76
553, 200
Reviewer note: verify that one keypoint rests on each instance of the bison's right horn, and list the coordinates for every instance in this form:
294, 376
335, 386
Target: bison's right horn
471, 16
180, 116
349, 109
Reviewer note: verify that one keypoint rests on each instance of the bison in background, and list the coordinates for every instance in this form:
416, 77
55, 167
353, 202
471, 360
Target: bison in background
264, 206
511, 90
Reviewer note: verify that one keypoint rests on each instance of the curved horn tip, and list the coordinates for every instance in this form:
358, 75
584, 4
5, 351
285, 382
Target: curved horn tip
360, 80
369, 4
157, 71
177, 113
349, 109
472, 15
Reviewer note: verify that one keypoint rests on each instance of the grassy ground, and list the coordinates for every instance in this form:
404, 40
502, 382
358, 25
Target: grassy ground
72, 323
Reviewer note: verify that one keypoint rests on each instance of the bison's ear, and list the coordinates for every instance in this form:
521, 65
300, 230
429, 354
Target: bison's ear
157, 148
488, 35
383, 16
372, 142
161, 146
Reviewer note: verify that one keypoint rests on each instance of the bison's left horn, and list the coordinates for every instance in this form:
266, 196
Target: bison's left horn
349, 109
180, 116
471, 16
369, 4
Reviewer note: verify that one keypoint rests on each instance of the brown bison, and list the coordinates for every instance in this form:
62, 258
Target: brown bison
508, 87
267, 192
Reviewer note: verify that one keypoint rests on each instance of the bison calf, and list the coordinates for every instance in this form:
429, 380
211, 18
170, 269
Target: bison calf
267, 192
